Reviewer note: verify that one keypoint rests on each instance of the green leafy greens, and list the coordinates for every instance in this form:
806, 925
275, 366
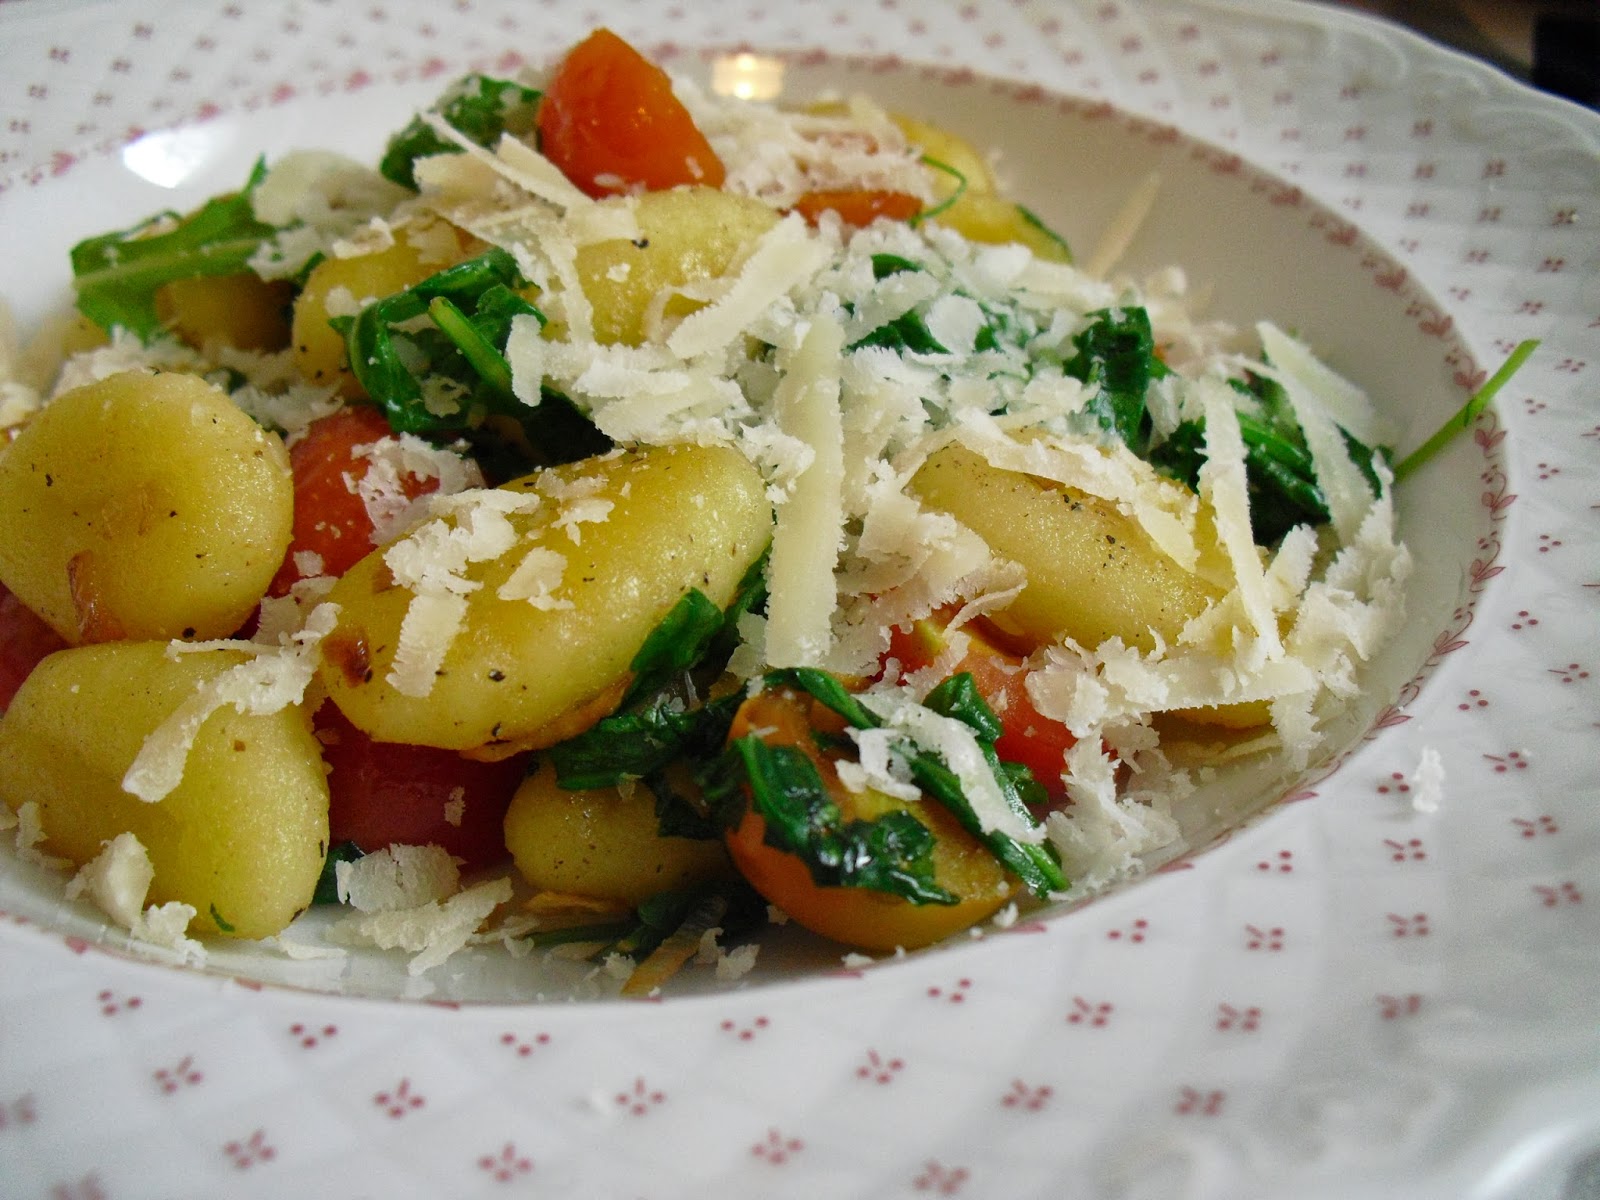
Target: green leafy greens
957, 697
892, 853
327, 889
1279, 472
1116, 357
783, 785
118, 274
478, 107
655, 727
433, 358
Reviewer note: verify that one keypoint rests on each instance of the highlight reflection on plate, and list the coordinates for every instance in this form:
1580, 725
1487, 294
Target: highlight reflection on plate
1307, 1009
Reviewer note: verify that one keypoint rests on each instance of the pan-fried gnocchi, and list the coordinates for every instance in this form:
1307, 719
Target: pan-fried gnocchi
143, 506
761, 515
511, 619
241, 840
1092, 573
603, 843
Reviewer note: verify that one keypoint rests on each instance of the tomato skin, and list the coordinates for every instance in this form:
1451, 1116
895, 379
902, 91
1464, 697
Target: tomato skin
858, 208
858, 916
610, 122
330, 519
25, 641
384, 793
1038, 742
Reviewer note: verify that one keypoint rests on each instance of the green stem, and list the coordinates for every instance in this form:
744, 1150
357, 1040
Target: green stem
488, 362
1469, 411
945, 204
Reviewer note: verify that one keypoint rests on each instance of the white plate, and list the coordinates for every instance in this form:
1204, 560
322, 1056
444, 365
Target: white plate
1346, 998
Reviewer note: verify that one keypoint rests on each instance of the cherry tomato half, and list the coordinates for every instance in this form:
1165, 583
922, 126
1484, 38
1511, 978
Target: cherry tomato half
858, 916
1038, 742
330, 518
383, 793
858, 208
25, 640
610, 122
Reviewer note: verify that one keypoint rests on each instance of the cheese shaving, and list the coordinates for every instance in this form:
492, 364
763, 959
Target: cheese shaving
784, 258
431, 932
957, 746
806, 539
536, 579
1223, 485
271, 679
118, 880
397, 877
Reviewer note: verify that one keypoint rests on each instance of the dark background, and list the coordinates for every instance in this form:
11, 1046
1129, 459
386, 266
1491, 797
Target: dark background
1552, 44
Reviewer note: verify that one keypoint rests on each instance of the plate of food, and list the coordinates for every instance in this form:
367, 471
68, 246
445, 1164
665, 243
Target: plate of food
599, 606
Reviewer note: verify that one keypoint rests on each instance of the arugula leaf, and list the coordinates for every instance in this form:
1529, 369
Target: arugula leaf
694, 632
1280, 474
1037, 865
680, 813
637, 745
1116, 356
829, 689
478, 107
327, 890
958, 697
907, 332
652, 729
460, 348
1045, 233
391, 364
949, 201
733, 905
658, 918
118, 274
679, 641
751, 597
893, 853
885, 265
1279, 477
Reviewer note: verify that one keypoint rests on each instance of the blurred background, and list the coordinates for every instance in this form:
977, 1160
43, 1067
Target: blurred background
1552, 44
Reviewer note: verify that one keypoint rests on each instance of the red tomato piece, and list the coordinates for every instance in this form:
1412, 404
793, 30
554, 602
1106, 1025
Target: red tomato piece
610, 122
25, 640
383, 793
858, 208
1038, 742
330, 519
857, 916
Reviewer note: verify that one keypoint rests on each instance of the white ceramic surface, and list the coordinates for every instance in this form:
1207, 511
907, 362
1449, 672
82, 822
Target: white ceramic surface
1346, 998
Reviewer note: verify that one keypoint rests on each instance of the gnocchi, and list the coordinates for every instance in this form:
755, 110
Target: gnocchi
603, 843
143, 506
594, 555
686, 235
242, 838
1092, 573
